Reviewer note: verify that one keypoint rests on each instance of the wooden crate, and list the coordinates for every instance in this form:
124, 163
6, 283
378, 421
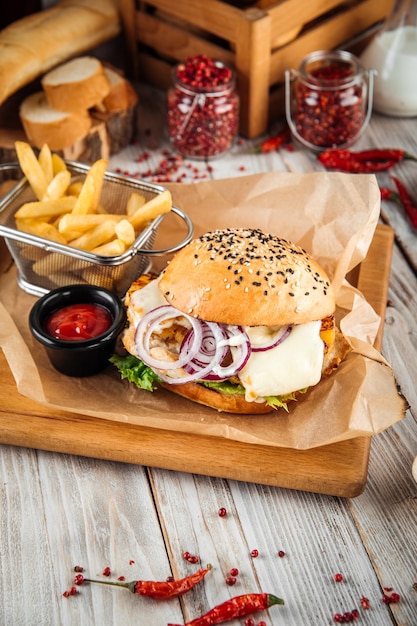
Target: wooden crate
260, 42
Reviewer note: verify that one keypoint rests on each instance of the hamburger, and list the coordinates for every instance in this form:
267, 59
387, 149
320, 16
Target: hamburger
240, 321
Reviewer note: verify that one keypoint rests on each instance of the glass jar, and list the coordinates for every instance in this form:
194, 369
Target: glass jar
393, 54
203, 108
328, 101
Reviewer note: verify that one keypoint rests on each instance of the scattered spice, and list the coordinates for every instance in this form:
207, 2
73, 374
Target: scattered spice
231, 580
72, 591
346, 617
338, 578
234, 571
106, 571
254, 554
239, 606
365, 603
281, 553
390, 596
160, 590
222, 512
191, 558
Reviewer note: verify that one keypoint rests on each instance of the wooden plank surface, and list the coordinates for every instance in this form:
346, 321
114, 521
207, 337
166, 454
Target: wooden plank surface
26, 423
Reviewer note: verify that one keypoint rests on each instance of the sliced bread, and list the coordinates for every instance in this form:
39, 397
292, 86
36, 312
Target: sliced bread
76, 85
45, 124
121, 96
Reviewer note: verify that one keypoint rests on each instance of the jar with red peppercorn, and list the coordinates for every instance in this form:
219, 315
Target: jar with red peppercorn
329, 100
203, 108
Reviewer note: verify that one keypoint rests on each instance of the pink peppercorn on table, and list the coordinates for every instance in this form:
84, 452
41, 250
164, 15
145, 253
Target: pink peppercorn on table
73, 494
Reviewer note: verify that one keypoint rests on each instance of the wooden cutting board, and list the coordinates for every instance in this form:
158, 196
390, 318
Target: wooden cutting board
339, 469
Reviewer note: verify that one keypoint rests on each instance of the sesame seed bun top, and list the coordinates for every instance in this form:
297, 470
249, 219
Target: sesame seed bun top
245, 276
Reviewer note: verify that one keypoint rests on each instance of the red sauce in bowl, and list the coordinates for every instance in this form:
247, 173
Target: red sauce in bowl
77, 322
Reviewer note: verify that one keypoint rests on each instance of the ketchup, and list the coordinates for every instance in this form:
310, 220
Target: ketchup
77, 322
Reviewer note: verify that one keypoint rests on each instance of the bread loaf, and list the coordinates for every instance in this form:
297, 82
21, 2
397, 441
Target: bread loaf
78, 84
44, 124
35, 44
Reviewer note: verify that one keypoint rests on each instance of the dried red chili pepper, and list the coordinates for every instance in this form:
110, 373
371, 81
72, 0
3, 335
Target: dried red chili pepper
160, 590
366, 161
389, 194
239, 606
273, 143
406, 201
346, 161
384, 154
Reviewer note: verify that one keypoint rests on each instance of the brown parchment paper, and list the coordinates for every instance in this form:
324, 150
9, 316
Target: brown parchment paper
333, 216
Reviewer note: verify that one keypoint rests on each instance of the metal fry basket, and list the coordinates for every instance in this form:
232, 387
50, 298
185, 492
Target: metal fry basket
44, 265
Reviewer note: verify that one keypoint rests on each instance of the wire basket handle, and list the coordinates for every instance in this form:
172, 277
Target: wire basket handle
156, 223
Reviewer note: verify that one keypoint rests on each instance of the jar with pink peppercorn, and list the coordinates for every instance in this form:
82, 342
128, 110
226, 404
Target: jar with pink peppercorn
203, 108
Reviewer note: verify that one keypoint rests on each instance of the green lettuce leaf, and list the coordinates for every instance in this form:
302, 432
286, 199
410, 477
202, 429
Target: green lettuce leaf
135, 371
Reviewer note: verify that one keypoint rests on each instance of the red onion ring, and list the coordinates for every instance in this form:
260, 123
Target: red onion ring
204, 348
240, 352
148, 325
207, 349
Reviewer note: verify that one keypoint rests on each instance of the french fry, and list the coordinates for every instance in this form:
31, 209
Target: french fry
159, 205
45, 161
40, 229
55, 262
46, 209
84, 202
89, 197
58, 186
58, 164
31, 168
125, 232
99, 171
82, 223
96, 237
135, 201
75, 188
112, 248
62, 279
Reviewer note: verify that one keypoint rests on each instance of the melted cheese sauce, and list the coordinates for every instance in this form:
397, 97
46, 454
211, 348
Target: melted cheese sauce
295, 364
146, 299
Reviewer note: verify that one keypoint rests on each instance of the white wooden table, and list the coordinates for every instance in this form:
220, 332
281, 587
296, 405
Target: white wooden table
58, 510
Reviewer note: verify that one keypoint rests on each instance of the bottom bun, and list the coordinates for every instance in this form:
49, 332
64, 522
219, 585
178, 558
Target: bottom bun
229, 403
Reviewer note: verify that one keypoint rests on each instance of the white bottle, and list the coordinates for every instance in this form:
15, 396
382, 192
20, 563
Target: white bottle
393, 54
